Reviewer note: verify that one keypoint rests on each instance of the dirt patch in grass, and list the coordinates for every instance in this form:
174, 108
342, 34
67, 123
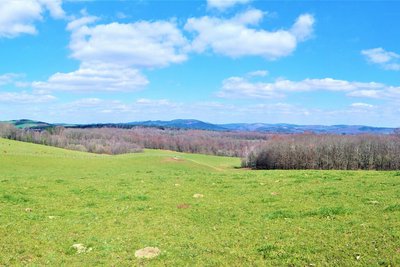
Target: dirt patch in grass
147, 253
183, 206
173, 159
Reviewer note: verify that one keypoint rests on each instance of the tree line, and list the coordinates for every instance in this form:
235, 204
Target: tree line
257, 150
120, 141
327, 152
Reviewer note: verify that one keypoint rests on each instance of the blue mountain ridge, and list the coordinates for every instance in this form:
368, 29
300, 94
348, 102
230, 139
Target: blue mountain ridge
241, 127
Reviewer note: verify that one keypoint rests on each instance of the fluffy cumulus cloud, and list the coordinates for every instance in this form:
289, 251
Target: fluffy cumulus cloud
239, 87
140, 44
19, 17
112, 55
224, 4
95, 78
239, 36
386, 59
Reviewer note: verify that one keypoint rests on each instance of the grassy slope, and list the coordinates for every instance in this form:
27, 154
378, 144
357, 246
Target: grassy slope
117, 204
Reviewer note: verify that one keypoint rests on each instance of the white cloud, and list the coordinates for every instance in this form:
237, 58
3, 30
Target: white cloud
383, 92
109, 110
153, 102
9, 78
224, 4
139, 44
76, 24
116, 110
303, 27
87, 102
100, 78
361, 105
19, 17
237, 87
258, 73
367, 93
279, 109
112, 54
25, 98
249, 17
235, 37
54, 7
386, 59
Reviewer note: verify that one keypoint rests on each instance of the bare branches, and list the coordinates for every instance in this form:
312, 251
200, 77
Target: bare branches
308, 151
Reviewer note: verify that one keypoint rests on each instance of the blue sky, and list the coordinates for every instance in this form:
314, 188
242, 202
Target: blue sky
303, 62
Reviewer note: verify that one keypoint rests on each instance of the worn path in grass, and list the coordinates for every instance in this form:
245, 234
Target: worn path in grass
51, 199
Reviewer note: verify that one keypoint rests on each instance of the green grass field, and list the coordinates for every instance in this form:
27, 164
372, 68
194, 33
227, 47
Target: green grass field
52, 198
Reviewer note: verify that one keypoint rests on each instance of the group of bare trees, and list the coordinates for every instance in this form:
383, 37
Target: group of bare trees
310, 151
119, 141
87, 141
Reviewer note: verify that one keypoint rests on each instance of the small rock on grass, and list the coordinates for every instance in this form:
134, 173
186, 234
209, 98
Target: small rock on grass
198, 195
80, 248
147, 253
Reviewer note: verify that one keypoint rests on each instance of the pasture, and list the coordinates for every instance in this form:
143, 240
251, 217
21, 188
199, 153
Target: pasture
51, 199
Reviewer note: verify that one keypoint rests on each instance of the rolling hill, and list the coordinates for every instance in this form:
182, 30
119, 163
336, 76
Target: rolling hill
198, 210
25, 123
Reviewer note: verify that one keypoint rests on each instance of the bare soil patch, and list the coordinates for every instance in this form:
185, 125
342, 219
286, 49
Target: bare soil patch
147, 253
183, 206
173, 159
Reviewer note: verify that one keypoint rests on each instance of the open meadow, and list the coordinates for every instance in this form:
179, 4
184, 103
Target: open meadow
51, 199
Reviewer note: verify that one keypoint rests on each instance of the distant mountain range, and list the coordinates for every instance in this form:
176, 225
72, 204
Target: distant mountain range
200, 125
